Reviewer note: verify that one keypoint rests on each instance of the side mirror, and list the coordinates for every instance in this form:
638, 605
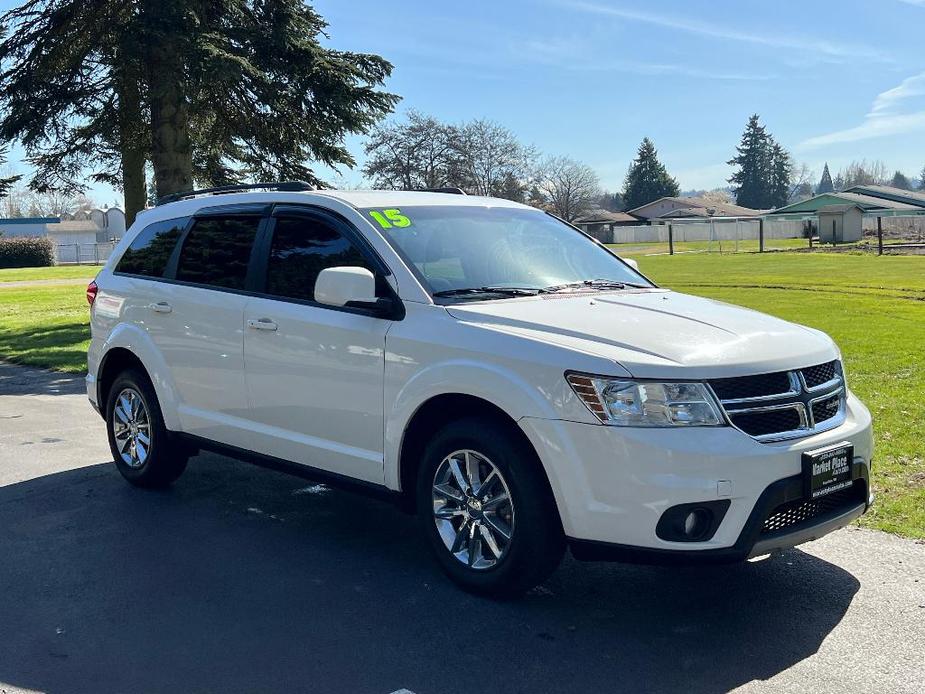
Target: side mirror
632, 263
339, 286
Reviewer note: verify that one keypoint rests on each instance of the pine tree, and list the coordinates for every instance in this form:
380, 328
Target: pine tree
752, 182
647, 179
6, 183
900, 180
208, 92
781, 174
922, 179
825, 183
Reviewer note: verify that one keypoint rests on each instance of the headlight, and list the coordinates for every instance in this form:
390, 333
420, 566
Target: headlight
646, 404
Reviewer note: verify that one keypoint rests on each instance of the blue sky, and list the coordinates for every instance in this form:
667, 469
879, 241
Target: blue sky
834, 80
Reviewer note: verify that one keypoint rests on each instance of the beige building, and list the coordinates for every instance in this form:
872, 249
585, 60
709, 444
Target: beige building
675, 208
840, 223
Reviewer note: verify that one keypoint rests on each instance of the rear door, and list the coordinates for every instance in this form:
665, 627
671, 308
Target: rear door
315, 373
200, 318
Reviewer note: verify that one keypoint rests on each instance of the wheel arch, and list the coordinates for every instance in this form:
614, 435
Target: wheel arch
440, 410
129, 347
114, 362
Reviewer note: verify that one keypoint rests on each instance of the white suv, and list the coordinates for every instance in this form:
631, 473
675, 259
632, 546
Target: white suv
485, 364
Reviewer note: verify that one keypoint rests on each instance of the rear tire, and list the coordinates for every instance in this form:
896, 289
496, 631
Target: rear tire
140, 443
487, 509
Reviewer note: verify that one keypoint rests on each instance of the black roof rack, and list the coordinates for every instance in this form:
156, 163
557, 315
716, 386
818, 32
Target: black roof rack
288, 186
450, 190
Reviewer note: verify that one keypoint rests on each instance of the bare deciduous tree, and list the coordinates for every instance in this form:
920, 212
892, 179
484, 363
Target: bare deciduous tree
419, 153
570, 187
487, 155
801, 182
863, 173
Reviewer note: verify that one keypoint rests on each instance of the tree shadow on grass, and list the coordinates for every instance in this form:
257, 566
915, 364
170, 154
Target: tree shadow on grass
241, 579
54, 347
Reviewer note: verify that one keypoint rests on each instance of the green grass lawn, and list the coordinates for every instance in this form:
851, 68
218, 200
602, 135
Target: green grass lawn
634, 250
874, 307
45, 326
59, 272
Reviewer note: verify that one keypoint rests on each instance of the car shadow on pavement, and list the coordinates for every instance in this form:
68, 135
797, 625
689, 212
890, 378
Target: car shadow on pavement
242, 579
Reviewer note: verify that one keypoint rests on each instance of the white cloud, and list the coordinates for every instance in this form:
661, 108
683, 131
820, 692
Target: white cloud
832, 50
885, 117
887, 101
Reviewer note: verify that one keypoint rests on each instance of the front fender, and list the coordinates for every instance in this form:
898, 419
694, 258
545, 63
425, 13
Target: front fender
504, 388
139, 343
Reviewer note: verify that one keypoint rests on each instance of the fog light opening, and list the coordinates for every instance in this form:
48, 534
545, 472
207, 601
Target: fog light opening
697, 522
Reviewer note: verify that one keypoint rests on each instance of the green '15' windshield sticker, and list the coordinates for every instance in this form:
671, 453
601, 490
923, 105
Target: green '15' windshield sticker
389, 218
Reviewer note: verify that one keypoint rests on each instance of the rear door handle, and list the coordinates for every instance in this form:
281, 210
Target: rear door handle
161, 307
261, 324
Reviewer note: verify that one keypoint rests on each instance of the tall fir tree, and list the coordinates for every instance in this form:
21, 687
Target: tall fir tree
647, 179
825, 183
752, 182
6, 183
781, 174
206, 92
900, 180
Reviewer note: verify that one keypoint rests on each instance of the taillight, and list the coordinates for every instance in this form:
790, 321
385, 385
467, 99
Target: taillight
92, 289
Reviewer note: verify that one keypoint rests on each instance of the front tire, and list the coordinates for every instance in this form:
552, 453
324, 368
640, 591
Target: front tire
487, 509
138, 439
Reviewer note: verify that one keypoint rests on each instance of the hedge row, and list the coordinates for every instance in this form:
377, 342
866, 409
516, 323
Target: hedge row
26, 251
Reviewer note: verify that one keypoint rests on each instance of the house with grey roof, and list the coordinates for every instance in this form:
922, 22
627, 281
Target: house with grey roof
669, 208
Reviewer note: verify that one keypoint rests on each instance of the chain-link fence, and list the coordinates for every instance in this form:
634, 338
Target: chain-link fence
83, 253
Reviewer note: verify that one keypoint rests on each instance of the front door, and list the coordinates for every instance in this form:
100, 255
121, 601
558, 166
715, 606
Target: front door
314, 373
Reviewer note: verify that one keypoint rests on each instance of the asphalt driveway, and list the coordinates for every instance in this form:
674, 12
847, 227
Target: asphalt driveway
241, 579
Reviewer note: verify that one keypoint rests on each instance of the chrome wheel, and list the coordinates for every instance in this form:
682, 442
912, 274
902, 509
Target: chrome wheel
131, 427
473, 509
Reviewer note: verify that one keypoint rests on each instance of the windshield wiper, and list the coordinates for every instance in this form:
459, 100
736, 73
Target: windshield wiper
595, 284
507, 291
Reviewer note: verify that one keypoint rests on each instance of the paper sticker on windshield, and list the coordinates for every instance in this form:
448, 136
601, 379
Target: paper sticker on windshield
389, 218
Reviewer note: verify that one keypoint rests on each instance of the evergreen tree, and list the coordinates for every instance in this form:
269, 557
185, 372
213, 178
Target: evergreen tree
752, 182
825, 183
612, 202
6, 184
510, 188
922, 179
647, 179
900, 180
781, 174
211, 92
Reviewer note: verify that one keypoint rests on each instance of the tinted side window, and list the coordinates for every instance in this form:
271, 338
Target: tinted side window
217, 251
302, 248
149, 253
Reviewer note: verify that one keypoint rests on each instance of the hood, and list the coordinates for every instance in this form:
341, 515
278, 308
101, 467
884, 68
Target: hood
657, 333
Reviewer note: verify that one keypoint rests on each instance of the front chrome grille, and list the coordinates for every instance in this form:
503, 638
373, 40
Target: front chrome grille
784, 404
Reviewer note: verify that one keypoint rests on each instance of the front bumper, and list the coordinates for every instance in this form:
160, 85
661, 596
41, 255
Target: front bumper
613, 484
754, 540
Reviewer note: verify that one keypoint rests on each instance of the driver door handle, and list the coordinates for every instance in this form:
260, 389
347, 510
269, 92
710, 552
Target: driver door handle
161, 307
261, 324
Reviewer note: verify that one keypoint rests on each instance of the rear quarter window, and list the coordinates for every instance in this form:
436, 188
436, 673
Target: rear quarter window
217, 251
150, 252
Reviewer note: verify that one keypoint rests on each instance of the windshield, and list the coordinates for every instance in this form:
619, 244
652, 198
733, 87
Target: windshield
470, 248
